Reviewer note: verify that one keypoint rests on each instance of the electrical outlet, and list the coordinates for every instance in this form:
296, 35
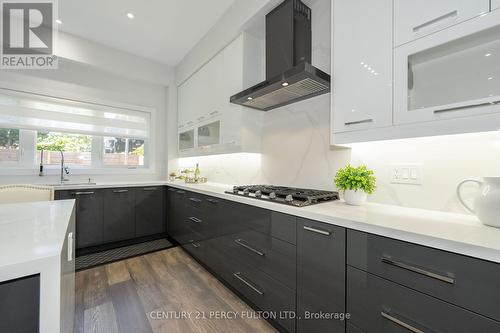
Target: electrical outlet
406, 174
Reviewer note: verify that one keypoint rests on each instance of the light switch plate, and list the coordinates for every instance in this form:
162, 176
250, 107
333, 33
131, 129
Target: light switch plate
411, 174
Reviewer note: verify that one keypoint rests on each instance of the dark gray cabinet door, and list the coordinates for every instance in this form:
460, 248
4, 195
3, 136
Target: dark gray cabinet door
119, 214
89, 216
149, 211
320, 276
170, 211
20, 305
178, 213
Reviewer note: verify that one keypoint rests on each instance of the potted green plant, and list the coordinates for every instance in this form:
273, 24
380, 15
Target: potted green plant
356, 183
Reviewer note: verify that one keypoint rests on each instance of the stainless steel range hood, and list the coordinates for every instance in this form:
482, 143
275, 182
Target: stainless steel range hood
290, 77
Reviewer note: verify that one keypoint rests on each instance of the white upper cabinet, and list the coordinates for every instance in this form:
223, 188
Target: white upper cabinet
414, 19
208, 123
362, 64
495, 4
449, 74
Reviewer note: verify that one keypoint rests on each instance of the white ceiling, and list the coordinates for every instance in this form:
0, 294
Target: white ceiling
162, 30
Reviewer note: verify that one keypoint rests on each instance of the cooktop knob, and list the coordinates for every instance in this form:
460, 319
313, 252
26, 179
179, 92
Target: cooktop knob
289, 198
235, 189
258, 194
272, 195
246, 191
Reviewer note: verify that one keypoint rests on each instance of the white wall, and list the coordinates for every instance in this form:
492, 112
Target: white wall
92, 72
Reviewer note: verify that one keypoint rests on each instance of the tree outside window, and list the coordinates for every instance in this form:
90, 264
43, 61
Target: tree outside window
9, 145
77, 148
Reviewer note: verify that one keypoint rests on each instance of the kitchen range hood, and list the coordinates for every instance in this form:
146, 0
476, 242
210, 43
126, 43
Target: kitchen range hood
290, 77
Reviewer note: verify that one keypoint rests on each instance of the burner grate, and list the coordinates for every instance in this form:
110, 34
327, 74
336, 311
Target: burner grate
287, 195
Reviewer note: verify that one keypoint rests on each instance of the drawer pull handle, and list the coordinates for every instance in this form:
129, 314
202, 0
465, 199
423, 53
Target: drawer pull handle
195, 200
83, 193
172, 189
214, 112
120, 191
440, 277
435, 20
364, 121
248, 284
400, 323
181, 192
241, 242
318, 231
212, 201
194, 219
458, 108
150, 189
195, 245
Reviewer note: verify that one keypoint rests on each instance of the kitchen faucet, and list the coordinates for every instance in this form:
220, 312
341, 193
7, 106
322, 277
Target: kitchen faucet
64, 169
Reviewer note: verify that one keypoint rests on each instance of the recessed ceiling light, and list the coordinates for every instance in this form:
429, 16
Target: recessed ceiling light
284, 84
490, 78
130, 15
249, 98
487, 54
58, 21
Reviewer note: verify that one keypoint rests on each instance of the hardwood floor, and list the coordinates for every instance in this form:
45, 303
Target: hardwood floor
165, 291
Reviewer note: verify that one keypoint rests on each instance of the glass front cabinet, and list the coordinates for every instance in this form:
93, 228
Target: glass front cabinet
186, 139
449, 74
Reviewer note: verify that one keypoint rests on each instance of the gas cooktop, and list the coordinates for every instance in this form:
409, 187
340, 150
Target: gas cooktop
286, 195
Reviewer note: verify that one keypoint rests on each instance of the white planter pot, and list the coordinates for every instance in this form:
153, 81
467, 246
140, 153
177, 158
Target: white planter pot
355, 198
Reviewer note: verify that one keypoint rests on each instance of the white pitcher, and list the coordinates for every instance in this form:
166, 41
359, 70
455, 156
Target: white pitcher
487, 201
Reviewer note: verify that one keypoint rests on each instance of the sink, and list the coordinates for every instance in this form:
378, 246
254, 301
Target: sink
70, 184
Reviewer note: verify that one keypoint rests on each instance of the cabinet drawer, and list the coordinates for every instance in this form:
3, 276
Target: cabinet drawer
378, 305
263, 291
263, 252
461, 280
238, 217
415, 19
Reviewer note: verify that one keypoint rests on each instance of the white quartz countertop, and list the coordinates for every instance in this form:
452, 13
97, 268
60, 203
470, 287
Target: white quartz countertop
32, 231
458, 233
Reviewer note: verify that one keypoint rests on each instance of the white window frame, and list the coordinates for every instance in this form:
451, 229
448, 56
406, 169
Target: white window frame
27, 164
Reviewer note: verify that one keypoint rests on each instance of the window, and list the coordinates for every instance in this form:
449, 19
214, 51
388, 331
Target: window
77, 148
90, 135
9, 145
123, 151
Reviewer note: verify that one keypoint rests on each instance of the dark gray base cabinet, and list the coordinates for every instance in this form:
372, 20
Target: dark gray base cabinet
20, 305
278, 262
467, 282
89, 216
109, 215
378, 305
320, 276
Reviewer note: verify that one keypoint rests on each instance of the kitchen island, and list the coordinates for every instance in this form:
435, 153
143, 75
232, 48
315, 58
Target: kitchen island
37, 266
